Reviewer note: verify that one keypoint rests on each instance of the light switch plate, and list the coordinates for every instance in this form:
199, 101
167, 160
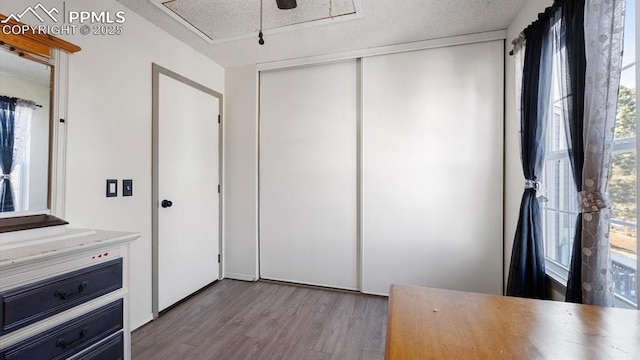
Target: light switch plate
127, 187
112, 187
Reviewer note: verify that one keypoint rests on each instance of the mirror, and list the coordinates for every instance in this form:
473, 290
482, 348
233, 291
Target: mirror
25, 96
34, 67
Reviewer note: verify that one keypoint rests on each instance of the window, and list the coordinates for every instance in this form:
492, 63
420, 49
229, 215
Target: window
624, 177
560, 209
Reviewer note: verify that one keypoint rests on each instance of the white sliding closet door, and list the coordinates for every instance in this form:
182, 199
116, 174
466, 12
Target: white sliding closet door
432, 169
308, 184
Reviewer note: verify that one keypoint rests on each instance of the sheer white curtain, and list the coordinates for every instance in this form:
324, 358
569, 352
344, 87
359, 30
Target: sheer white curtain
604, 28
23, 117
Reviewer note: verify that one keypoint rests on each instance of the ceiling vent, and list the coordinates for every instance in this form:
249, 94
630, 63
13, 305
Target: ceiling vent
230, 20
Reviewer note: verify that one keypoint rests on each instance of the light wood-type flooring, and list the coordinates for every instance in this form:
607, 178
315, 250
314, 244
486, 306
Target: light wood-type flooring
235, 320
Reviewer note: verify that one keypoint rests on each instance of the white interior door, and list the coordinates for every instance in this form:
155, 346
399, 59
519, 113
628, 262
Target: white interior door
188, 245
432, 169
308, 182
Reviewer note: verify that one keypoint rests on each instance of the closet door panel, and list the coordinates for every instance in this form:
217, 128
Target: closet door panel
433, 169
308, 175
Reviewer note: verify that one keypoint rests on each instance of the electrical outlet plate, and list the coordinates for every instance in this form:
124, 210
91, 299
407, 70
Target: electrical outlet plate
127, 187
112, 187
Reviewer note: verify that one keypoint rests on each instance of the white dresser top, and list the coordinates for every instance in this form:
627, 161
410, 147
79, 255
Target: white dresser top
29, 245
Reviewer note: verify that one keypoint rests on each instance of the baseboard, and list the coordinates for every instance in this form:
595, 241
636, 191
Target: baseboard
242, 277
148, 319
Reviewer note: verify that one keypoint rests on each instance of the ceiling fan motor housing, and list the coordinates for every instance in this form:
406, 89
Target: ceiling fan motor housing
286, 4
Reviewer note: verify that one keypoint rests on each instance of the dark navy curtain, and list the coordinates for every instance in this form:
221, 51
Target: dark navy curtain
573, 67
555, 41
7, 138
527, 277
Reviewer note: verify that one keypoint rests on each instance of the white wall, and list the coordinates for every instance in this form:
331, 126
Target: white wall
109, 132
514, 178
109, 128
38, 152
240, 185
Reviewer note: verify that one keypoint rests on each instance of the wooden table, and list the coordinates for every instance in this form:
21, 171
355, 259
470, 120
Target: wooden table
429, 323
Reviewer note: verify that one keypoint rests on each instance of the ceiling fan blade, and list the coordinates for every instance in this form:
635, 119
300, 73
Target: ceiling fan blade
286, 4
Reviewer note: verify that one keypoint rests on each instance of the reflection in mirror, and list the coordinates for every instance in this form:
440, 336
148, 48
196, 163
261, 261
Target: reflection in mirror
25, 93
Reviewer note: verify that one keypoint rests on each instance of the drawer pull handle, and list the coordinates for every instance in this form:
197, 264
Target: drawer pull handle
62, 343
63, 295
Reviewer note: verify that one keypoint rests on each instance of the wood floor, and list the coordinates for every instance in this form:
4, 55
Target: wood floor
235, 320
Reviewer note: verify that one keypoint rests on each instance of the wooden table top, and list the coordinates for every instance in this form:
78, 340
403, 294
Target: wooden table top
427, 323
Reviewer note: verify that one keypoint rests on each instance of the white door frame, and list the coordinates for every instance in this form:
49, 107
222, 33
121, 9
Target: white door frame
158, 70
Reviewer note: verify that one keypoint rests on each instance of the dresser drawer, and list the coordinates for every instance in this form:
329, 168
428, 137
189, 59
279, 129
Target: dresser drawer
111, 348
28, 304
70, 338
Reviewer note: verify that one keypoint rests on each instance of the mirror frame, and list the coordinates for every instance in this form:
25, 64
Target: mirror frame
52, 51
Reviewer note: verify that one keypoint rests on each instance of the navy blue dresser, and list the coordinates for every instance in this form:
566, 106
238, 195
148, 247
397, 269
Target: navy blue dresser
65, 296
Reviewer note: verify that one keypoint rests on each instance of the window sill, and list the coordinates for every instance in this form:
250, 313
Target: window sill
557, 277
558, 286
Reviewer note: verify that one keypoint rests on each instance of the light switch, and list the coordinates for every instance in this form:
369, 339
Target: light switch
127, 187
112, 187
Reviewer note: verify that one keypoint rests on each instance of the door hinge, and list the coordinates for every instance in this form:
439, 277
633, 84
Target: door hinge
218, 189
219, 257
219, 120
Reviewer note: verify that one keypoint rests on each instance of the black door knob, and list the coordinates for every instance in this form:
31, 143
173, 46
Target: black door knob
166, 203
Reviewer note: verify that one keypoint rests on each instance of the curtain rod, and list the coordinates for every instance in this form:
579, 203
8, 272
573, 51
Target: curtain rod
512, 52
13, 97
517, 43
548, 12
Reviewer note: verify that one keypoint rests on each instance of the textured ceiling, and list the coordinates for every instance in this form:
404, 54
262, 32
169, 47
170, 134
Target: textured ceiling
22, 68
380, 23
221, 20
